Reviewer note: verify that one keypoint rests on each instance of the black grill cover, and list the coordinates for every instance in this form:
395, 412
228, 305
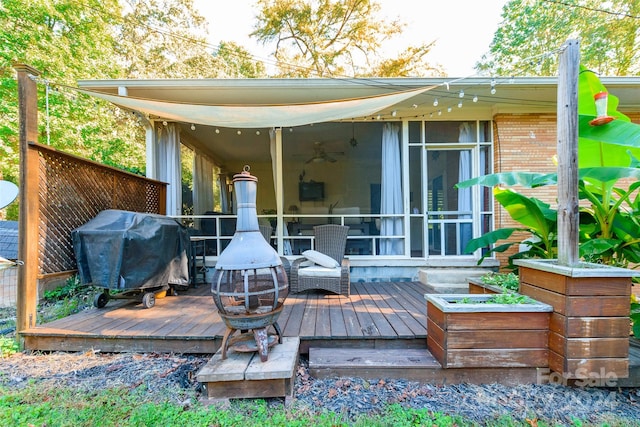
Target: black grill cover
130, 250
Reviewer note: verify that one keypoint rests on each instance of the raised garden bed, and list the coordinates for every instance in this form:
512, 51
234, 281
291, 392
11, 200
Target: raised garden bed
589, 329
477, 334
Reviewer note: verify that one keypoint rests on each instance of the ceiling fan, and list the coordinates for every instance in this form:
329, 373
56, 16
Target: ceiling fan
320, 155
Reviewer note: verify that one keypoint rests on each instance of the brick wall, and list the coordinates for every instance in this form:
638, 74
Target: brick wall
526, 142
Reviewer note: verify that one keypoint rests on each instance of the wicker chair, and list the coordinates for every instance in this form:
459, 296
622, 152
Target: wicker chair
330, 240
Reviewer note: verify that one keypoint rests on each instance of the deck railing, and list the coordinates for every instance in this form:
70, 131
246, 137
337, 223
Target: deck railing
363, 239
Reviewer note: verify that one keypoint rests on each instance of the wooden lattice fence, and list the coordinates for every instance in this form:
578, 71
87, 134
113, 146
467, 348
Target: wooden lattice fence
73, 190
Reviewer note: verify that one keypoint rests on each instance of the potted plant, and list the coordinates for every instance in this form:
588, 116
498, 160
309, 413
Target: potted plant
494, 283
487, 331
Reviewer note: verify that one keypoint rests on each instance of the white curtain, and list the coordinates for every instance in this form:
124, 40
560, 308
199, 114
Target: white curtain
391, 191
168, 141
224, 193
202, 184
274, 167
464, 194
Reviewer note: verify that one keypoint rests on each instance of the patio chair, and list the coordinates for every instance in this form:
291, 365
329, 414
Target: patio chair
266, 230
326, 267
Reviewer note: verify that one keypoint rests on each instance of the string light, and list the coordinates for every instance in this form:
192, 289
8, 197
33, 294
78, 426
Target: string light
257, 132
435, 102
460, 104
393, 113
239, 132
439, 112
461, 94
448, 109
217, 130
193, 127
475, 98
164, 123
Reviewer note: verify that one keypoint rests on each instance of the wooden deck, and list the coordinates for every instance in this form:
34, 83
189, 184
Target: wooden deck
376, 315
388, 318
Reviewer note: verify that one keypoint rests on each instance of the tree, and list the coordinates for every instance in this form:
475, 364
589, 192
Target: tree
65, 40
524, 44
325, 38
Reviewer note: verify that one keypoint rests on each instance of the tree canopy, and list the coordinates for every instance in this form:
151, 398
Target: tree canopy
524, 43
69, 40
324, 38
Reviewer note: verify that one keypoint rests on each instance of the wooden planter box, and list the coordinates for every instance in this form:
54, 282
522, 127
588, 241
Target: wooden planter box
589, 329
478, 287
462, 335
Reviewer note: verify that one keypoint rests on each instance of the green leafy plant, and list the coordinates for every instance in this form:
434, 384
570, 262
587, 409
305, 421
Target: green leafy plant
609, 220
8, 347
635, 316
507, 281
509, 298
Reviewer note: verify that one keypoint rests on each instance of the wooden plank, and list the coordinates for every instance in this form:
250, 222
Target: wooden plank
351, 321
280, 364
248, 389
585, 286
597, 306
381, 298
436, 315
503, 357
498, 339
500, 320
367, 324
411, 301
597, 347
323, 321
597, 368
590, 327
294, 322
543, 280
336, 319
557, 343
308, 326
567, 146
230, 369
352, 358
554, 299
380, 321
416, 328
29, 214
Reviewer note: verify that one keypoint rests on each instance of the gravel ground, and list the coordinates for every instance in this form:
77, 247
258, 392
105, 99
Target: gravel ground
173, 377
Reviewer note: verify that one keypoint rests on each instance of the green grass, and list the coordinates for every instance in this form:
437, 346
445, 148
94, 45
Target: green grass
37, 405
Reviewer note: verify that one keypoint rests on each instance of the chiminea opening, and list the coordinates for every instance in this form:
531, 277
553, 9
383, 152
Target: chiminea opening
250, 283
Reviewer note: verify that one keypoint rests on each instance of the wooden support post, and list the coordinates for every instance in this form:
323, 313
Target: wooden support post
27, 295
568, 215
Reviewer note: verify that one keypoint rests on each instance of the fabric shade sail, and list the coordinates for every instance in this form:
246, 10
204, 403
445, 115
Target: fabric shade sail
259, 116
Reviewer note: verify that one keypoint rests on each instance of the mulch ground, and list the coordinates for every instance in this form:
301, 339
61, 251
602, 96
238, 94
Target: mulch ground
173, 377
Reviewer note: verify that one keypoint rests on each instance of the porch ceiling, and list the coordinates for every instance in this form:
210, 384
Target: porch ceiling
525, 94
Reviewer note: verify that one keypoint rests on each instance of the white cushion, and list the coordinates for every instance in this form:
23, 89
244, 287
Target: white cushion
319, 271
321, 211
320, 259
354, 210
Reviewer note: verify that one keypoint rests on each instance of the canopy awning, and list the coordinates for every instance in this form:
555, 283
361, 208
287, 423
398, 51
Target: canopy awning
260, 116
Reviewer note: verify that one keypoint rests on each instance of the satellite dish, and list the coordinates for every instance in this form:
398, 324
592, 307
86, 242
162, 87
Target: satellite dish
8, 193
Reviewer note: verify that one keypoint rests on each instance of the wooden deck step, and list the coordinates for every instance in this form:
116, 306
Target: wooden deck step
243, 375
410, 364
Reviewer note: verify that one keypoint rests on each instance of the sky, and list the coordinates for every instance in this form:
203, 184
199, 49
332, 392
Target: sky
463, 29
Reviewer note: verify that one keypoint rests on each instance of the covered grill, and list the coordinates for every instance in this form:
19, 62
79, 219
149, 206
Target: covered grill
137, 254
250, 282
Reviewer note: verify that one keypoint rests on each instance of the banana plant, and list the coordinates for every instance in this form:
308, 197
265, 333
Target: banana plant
609, 216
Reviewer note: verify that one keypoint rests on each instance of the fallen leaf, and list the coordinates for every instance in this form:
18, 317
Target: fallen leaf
532, 422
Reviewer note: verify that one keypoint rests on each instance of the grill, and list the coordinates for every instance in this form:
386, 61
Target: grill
250, 282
